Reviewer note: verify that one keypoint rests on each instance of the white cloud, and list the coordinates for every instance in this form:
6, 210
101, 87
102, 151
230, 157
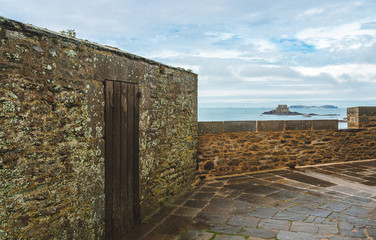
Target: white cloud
341, 37
310, 12
221, 36
343, 73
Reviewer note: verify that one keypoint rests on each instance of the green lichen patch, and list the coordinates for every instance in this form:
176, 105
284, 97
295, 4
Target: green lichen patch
71, 53
13, 57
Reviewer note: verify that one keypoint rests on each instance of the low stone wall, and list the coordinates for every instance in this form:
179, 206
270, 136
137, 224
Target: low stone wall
236, 147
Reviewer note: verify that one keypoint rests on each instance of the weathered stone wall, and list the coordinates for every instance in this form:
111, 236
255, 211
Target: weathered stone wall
168, 135
237, 147
52, 132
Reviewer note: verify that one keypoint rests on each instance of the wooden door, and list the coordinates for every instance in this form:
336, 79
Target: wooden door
121, 163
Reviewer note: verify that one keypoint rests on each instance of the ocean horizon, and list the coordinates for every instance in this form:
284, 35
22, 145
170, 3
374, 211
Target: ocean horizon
252, 114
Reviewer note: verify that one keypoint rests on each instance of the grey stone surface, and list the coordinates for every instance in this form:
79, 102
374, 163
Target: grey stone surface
342, 238
284, 194
226, 229
359, 211
371, 232
290, 216
308, 179
173, 225
203, 196
242, 208
228, 237
355, 199
186, 211
327, 229
264, 212
195, 203
219, 206
328, 220
345, 189
258, 232
312, 214
243, 221
346, 226
357, 234
285, 235
310, 211
274, 224
357, 220
196, 235
310, 219
210, 218
304, 227
335, 206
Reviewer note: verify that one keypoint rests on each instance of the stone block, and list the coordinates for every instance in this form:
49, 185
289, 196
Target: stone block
210, 127
353, 111
110, 68
239, 126
353, 122
325, 125
304, 227
270, 126
275, 224
361, 111
298, 125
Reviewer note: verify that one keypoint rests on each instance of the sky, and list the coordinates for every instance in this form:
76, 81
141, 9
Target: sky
247, 53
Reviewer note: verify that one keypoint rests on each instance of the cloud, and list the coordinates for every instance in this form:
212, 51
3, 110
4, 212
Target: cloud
342, 37
343, 73
310, 12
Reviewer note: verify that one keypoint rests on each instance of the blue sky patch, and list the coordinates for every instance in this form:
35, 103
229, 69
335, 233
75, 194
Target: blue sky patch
294, 45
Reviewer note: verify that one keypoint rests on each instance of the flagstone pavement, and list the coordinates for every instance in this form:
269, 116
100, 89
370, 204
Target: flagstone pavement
335, 202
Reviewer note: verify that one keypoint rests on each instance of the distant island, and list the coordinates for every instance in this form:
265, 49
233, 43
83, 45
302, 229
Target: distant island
284, 110
314, 107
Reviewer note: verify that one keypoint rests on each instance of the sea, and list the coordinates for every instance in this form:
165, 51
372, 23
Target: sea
244, 114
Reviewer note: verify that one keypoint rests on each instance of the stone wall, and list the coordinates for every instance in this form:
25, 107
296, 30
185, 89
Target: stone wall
361, 117
52, 132
237, 147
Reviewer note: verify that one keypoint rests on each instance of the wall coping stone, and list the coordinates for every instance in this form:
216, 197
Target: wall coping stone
218, 127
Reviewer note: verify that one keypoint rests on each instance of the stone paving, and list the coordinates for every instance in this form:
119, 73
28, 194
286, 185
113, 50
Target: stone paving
334, 202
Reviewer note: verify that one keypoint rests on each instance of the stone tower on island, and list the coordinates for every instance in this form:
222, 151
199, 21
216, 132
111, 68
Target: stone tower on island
282, 109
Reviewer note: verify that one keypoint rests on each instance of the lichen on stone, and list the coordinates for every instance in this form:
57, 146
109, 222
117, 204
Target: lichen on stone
8, 107
71, 53
53, 53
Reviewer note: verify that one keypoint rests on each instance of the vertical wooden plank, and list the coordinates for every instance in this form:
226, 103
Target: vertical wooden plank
122, 158
136, 168
130, 137
116, 161
123, 153
108, 159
